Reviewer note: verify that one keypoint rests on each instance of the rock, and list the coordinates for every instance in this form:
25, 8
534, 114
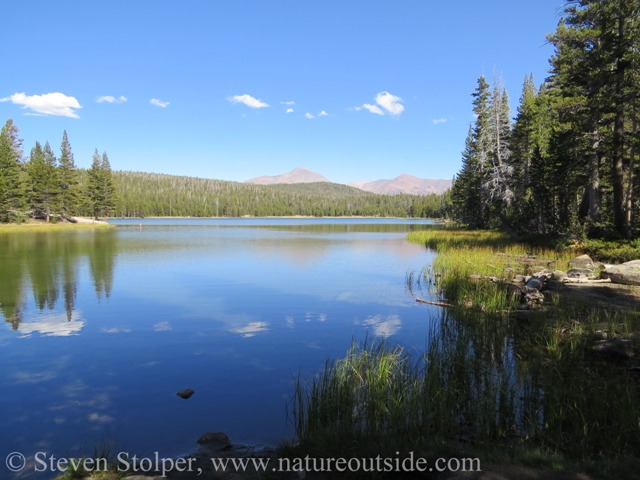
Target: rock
558, 275
185, 393
518, 279
627, 274
581, 273
615, 348
215, 439
583, 261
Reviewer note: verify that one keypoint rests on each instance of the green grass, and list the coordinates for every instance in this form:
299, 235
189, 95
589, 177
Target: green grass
47, 227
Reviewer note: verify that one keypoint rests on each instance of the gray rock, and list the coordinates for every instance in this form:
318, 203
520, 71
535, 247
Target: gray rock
215, 439
614, 347
583, 261
581, 273
185, 393
558, 275
627, 274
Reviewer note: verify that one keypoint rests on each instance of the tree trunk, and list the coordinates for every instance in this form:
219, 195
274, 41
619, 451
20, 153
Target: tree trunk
617, 165
629, 206
595, 197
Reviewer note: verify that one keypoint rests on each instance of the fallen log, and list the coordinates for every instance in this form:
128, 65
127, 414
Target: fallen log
437, 304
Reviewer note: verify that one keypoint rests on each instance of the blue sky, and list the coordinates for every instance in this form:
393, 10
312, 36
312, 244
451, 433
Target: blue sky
185, 79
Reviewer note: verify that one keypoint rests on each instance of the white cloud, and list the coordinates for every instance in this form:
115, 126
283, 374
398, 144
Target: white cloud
48, 104
110, 99
159, 103
308, 115
248, 100
323, 114
390, 103
373, 109
289, 110
439, 120
288, 103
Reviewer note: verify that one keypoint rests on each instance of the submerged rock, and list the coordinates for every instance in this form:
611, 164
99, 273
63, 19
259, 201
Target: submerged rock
185, 393
627, 274
215, 439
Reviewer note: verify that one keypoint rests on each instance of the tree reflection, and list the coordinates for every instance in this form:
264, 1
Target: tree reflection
47, 264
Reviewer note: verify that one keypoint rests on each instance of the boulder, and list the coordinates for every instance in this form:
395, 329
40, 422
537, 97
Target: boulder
582, 273
614, 347
583, 261
558, 275
627, 274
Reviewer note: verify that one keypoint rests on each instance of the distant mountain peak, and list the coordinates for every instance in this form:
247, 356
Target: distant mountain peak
297, 175
403, 183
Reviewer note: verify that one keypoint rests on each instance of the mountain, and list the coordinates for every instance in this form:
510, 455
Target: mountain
297, 175
403, 184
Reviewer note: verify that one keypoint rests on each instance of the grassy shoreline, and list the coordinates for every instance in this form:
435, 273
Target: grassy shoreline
49, 227
506, 387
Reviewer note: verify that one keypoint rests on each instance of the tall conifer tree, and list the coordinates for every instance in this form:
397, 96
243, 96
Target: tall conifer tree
68, 178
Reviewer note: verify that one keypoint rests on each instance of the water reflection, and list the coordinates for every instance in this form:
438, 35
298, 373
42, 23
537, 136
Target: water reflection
48, 263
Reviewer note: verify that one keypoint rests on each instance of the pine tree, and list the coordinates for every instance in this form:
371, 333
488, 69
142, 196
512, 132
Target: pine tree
68, 178
498, 171
594, 68
108, 187
466, 191
12, 197
95, 192
43, 181
11, 132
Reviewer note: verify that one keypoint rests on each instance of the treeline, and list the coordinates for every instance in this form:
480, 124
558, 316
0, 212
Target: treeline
151, 194
43, 186
567, 162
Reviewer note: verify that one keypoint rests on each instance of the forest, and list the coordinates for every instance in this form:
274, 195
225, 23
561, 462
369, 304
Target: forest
48, 187
566, 163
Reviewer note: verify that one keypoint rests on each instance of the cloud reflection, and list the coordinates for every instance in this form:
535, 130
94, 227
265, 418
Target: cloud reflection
384, 328
251, 329
55, 325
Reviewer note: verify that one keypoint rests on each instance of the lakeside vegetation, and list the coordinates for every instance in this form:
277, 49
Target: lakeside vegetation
493, 383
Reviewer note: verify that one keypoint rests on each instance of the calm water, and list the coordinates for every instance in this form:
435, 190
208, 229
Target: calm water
102, 328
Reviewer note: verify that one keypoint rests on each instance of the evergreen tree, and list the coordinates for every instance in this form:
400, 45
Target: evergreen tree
43, 181
68, 178
466, 191
11, 133
12, 188
108, 187
95, 192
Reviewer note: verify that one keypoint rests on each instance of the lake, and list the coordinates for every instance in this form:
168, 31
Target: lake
103, 327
